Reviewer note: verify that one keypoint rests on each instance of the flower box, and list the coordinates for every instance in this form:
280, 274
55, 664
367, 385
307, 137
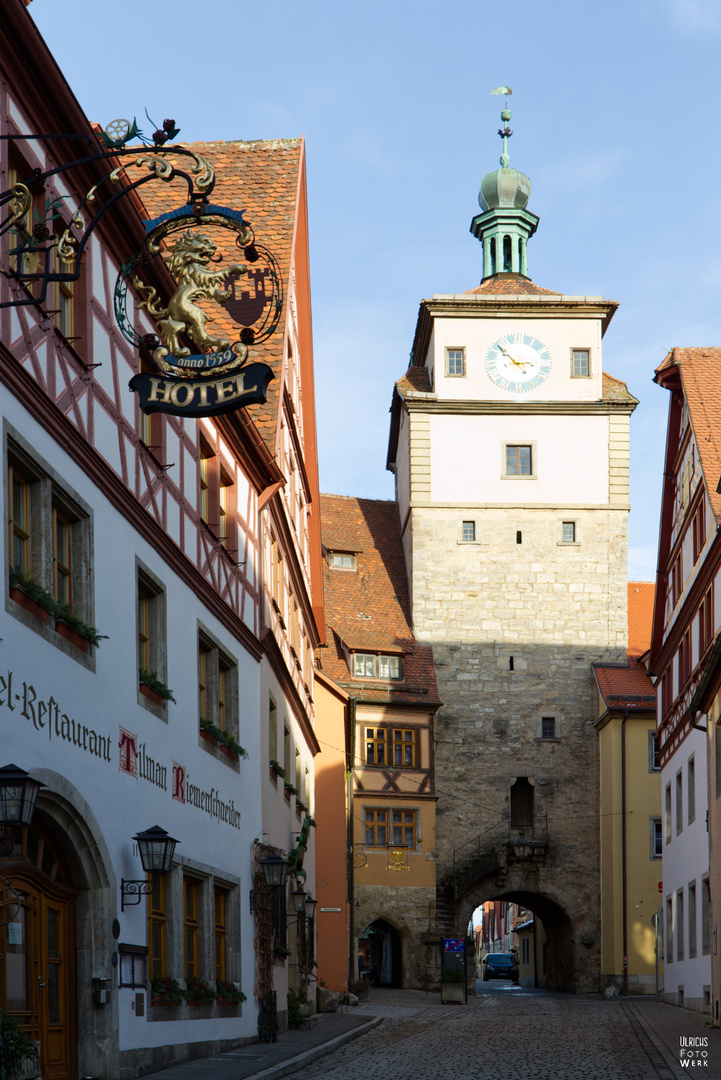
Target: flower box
286, 793
453, 992
26, 602
273, 774
66, 631
227, 751
208, 737
151, 694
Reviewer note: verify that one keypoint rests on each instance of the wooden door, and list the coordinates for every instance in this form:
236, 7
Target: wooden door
36, 967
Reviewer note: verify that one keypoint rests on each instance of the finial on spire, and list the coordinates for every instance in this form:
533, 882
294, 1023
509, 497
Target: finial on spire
505, 132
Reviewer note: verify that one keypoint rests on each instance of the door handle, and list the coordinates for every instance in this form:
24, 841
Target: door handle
41, 987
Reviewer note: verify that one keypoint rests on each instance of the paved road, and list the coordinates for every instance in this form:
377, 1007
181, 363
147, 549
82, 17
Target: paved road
511, 1033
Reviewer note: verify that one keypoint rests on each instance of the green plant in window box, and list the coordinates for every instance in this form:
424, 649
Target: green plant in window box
150, 678
15, 1046
228, 992
223, 737
277, 768
452, 977
290, 790
311, 821
167, 990
47, 601
281, 952
196, 990
301, 806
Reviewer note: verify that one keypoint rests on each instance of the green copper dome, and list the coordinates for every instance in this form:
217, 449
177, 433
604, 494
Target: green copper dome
504, 188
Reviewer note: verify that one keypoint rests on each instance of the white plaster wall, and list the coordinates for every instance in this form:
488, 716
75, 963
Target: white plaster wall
686, 860
468, 464
106, 699
560, 335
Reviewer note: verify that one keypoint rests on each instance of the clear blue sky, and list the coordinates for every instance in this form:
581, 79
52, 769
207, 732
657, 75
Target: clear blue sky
615, 119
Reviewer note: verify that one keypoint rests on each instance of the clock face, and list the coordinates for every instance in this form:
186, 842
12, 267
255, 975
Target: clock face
518, 362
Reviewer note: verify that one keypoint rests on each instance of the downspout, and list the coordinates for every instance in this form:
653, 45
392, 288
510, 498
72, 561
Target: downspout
623, 852
535, 955
351, 848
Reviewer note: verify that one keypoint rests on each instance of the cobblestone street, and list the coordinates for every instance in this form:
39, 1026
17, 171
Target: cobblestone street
509, 1033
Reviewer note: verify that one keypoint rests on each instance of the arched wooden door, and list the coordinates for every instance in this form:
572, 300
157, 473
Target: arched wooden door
37, 964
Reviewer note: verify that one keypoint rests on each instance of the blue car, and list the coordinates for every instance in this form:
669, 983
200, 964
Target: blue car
500, 965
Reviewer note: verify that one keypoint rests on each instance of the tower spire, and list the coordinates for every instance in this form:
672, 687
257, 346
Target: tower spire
506, 225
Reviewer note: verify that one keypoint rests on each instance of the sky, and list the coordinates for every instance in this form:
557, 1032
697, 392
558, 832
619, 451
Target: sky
615, 120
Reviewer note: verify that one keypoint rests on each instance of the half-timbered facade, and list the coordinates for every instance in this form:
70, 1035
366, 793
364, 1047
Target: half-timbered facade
144, 655
686, 622
389, 680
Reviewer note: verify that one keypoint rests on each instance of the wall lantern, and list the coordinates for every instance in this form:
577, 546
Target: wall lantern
522, 847
299, 898
18, 795
310, 905
275, 870
156, 849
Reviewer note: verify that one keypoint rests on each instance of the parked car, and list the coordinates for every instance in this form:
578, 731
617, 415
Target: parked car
499, 965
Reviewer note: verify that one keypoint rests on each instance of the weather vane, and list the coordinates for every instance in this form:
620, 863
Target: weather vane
505, 132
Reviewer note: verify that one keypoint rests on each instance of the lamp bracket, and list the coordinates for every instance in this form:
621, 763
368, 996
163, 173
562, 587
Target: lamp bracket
134, 889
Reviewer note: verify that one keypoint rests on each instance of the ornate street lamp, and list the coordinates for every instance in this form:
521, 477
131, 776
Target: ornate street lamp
522, 847
18, 796
310, 905
275, 870
156, 849
299, 898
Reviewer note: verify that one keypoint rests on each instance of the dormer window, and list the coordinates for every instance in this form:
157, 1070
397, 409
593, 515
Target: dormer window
341, 560
375, 666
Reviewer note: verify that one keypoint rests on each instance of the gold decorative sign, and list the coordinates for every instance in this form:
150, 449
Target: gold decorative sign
397, 859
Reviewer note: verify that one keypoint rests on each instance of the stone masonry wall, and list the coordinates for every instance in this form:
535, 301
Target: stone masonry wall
554, 609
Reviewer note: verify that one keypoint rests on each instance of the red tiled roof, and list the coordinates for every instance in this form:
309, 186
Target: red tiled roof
625, 686
640, 617
508, 285
700, 370
260, 178
416, 378
616, 390
368, 608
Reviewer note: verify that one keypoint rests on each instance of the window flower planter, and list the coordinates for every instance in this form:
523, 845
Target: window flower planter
26, 602
151, 694
65, 630
228, 752
208, 737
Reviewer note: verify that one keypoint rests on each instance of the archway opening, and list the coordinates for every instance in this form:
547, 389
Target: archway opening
533, 926
379, 954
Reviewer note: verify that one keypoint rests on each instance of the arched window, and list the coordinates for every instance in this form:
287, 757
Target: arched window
493, 254
507, 263
522, 803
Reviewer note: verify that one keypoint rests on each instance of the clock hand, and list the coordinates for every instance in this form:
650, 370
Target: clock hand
517, 363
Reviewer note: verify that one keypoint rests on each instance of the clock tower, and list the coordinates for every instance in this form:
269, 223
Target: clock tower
510, 448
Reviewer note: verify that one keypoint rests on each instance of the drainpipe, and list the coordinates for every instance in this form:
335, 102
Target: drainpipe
351, 849
623, 852
535, 955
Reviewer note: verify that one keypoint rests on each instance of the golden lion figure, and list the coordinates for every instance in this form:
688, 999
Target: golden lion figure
188, 263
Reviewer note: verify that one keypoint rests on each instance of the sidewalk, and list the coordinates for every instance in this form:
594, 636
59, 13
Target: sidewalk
296, 1049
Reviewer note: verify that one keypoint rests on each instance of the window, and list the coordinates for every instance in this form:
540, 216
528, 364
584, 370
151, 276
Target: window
667, 814
157, 920
64, 291
216, 497
706, 622
568, 532
698, 527
376, 666
24, 262
286, 752
692, 945
206, 458
679, 925
468, 532
525, 950
403, 830
668, 958
654, 752
217, 686
404, 747
580, 363
656, 838
376, 828
455, 362
150, 617
375, 746
684, 660
219, 933
679, 802
49, 535
341, 560
272, 730
190, 925
548, 727
666, 691
691, 789
677, 578
150, 425
705, 916
519, 461
19, 522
